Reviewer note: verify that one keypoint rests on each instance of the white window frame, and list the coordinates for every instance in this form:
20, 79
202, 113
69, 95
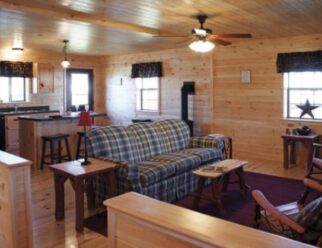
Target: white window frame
140, 92
26, 90
286, 102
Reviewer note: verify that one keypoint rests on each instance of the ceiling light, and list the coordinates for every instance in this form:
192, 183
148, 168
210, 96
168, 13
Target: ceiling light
65, 63
17, 50
202, 46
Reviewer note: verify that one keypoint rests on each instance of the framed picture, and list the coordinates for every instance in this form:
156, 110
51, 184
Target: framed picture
245, 76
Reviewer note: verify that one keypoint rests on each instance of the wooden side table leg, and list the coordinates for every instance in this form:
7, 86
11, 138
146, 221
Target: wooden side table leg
59, 197
310, 155
226, 182
285, 153
242, 184
293, 154
90, 193
79, 204
198, 194
216, 194
111, 187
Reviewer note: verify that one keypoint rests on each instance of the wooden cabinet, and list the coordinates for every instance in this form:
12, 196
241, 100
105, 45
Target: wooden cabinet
43, 78
12, 134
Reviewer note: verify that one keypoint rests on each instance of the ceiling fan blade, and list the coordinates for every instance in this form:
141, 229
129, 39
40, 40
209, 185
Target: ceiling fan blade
171, 36
220, 42
228, 36
190, 39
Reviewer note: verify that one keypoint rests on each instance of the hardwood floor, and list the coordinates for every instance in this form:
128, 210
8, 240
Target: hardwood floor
50, 233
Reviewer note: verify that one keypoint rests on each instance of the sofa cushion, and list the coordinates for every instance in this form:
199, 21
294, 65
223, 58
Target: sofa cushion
181, 162
205, 154
150, 141
154, 171
176, 134
114, 142
310, 218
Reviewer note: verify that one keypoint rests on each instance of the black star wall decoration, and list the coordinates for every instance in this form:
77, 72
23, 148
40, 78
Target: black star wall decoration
307, 109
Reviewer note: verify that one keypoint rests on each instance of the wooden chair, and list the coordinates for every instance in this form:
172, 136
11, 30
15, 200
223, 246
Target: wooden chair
280, 219
314, 169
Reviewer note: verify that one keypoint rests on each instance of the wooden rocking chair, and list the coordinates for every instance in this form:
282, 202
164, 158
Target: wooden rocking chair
280, 219
312, 172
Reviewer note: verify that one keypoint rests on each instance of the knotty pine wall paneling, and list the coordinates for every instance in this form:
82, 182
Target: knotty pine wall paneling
179, 65
253, 113
55, 99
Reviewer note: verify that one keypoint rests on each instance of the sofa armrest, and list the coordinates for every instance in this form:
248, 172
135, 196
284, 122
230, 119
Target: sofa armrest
125, 169
223, 143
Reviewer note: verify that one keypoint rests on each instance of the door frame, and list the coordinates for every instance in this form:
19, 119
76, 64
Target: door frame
90, 73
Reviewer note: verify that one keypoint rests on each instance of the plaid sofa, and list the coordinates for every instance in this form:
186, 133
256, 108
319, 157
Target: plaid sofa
154, 159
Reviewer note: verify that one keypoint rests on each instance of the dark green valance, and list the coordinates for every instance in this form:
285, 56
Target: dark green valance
299, 61
16, 69
147, 70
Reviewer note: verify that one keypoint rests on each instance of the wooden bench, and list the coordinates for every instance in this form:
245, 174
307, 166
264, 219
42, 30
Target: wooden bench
138, 221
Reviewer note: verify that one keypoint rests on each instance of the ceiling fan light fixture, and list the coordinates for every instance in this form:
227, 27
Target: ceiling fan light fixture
65, 63
202, 46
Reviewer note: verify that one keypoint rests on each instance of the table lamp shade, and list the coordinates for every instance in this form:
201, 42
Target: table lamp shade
85, 119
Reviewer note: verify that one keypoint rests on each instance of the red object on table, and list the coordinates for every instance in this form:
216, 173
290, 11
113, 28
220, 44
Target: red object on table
85, 119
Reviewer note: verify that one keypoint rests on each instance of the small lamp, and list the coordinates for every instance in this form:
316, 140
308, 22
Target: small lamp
85, 120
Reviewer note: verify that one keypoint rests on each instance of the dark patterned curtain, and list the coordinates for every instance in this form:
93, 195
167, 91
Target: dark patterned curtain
147, 70
16, 69
299, 62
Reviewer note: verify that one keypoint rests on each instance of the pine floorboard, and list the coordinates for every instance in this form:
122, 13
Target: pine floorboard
48, 232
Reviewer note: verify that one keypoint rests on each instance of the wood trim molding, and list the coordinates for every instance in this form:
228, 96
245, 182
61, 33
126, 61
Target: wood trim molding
73, 15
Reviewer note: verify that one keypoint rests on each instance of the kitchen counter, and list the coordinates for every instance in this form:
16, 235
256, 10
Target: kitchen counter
24, 112
33, 128
9, 135
57, 117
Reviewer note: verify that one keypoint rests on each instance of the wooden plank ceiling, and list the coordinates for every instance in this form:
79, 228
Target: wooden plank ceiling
104, 27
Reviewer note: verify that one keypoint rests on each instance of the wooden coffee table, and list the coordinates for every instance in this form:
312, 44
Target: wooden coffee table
220, 178
80, 178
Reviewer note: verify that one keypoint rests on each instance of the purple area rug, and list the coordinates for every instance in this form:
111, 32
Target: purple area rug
278, 190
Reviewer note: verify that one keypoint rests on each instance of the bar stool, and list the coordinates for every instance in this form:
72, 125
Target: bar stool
52, 140
80, 140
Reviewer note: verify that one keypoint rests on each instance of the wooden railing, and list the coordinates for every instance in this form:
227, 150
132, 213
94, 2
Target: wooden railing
138, 221
15, 212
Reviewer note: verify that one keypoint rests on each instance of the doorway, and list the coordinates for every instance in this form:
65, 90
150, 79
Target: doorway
79, 84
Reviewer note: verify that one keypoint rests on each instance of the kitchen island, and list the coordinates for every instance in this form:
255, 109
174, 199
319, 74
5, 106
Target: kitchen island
32, 128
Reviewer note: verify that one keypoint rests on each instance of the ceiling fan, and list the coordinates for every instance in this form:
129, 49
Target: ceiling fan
203, 38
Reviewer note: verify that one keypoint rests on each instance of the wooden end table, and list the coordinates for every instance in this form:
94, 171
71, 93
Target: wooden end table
218, 178
290, 140
80, 178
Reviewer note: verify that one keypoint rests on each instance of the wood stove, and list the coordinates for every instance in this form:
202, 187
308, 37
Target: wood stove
187, 89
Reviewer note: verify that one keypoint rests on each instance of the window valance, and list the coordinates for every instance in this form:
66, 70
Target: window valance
147, 70
299, 61
16, 69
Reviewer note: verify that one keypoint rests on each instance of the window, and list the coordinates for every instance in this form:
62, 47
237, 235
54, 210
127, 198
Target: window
13, 89
147, 94
300, 87
79, 89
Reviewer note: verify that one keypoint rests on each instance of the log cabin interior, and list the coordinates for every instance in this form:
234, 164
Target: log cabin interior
175, 92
